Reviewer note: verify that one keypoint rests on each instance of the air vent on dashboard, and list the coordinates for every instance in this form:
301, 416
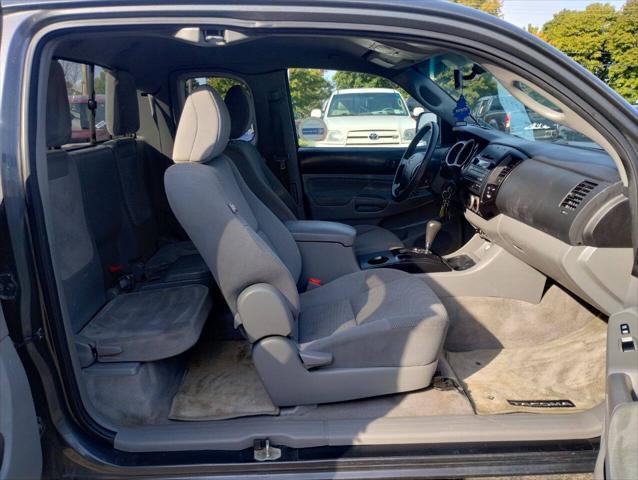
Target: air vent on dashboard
503, 174
573, 200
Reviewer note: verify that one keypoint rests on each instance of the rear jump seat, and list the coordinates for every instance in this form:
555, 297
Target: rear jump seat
164, 261
141, 326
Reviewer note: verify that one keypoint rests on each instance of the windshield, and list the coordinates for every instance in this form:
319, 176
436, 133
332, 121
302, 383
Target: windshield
492, 106
359, 104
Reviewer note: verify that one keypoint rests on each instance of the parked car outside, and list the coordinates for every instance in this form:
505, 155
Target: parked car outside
490, 110
80, 119
367, 117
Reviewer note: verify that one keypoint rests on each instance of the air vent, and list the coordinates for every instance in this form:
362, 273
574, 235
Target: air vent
573, 200
503, 174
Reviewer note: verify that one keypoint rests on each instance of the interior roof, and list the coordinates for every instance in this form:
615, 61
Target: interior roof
149, 55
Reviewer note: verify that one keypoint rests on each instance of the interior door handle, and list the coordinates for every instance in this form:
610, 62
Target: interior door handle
370, 204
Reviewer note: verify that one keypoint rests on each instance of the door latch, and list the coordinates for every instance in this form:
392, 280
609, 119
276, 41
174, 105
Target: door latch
264, 452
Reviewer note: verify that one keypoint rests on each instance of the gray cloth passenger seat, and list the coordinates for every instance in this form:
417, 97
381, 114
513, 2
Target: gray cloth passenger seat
264, 184
165, 260
364, 334
142, 326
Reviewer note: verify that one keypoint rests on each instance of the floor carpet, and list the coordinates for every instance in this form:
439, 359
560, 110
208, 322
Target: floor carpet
221, 383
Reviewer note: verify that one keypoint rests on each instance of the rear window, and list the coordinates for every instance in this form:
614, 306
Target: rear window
87, 124
222, 85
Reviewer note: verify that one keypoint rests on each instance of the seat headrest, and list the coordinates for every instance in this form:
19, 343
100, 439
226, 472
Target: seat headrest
238, 104
121, 110
58, 113
204, 127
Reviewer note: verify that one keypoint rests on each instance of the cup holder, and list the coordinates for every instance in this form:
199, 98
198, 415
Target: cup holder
404, 256
378, 260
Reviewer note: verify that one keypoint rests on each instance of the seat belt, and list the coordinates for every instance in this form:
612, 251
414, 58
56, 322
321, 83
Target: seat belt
282, 156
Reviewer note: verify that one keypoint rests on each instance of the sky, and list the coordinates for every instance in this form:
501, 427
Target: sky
538, 12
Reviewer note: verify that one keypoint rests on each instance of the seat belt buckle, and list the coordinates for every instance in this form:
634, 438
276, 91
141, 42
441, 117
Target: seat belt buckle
126, 282
313, 283
116, 268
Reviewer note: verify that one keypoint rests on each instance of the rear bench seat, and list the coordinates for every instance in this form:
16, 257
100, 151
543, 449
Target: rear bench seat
168, 260
142, 326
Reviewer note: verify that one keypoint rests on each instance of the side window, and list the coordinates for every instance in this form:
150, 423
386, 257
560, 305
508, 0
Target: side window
350, 109
78, 87
222, 85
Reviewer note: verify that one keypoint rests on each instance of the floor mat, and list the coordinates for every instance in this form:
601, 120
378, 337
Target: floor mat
478, 323
221, 383
570, 368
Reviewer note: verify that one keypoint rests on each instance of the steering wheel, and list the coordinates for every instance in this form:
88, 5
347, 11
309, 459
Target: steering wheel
412, 169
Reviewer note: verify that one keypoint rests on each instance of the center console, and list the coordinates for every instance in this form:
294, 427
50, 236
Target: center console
414, 260
483, 176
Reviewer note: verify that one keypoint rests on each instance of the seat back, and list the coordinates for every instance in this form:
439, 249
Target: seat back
104, 208
74, 251
123, 121
249, 161
241, 240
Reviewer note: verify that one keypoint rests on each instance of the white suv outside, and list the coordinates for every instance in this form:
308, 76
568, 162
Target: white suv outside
366, 117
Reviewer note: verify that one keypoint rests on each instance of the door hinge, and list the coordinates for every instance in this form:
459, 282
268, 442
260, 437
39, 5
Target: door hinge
37, 336
264, 452
8, 286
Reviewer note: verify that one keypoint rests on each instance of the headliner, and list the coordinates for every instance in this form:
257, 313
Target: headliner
158, 53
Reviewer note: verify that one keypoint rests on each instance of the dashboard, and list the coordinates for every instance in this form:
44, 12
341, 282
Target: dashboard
573, 194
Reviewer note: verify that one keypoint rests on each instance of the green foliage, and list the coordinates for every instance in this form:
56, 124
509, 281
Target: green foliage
308, 89
99, 82
489, 6
603, 40
623, 47
342, 80
479, 86
583, 35
221, 84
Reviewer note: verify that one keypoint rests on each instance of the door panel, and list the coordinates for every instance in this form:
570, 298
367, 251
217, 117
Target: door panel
20, 451
353, 185
620, 438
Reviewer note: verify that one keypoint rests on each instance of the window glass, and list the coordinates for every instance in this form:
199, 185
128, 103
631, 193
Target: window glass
350, 109
77, 85
221, 85
492, 106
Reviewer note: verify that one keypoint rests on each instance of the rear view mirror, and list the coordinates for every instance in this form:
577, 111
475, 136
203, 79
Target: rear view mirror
316, 113
458, 79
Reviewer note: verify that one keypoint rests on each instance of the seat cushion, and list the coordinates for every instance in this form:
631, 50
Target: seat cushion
149, 325
372, 239
375, 318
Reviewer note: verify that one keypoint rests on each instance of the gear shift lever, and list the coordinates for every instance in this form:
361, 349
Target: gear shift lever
432, 229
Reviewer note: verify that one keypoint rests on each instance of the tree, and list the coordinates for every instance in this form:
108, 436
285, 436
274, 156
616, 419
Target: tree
344, 79
489, 6
99, 82
308, 89
221, 84
622, 43
584, 36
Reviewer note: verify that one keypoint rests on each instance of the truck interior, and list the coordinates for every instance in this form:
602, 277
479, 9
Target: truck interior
214, 281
